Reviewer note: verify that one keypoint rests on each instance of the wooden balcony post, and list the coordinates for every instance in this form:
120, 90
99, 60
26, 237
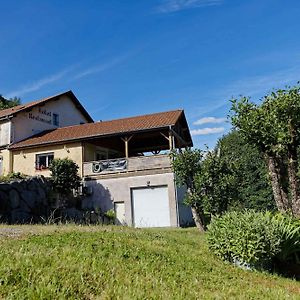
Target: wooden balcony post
171, 141
126, 141
126, 147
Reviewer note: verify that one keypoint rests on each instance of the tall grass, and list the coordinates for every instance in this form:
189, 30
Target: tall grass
82, 262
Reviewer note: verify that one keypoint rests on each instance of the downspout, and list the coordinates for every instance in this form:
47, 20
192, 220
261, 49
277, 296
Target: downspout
176, 199
175, 186
82, 144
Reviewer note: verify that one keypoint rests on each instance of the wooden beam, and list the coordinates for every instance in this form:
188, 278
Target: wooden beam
126, 141
126, 148
171, 140
166, 137
182, 142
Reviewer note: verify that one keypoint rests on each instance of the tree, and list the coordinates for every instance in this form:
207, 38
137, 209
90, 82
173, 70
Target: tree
8, 103
273, 126
249, 185
208, 181
187, 166
64, 175
215, 182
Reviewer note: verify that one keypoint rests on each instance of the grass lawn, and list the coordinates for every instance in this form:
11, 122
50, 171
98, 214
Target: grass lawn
91, 262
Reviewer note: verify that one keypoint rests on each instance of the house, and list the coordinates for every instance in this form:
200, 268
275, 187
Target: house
124, 163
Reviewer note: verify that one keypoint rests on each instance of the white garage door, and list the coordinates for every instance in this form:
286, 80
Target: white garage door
150, 207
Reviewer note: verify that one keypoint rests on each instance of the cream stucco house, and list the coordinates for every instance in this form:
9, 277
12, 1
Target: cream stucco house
124, 163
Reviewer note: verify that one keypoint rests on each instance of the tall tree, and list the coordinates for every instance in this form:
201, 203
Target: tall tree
215, 182
187, 166
273, 126
208, 180
249, 185
8, 103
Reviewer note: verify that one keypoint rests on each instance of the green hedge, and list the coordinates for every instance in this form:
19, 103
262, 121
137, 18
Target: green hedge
255, 239
12, 176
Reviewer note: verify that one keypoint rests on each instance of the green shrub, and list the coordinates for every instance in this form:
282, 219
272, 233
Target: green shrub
110, 215
289, 228
11, 176
255, 239
64, 175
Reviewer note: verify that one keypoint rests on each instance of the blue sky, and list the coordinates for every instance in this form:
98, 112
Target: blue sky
124, 58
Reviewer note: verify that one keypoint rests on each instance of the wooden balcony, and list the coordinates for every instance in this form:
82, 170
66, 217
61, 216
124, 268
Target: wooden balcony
124, 166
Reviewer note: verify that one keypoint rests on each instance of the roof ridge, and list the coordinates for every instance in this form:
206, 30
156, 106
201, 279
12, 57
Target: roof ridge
144, 115
152, 121
46, 98
119, 119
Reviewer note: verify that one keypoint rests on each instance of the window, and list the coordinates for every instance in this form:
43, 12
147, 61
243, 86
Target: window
43, 160
55, 119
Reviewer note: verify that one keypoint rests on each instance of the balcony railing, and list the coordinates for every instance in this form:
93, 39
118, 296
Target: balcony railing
123, 165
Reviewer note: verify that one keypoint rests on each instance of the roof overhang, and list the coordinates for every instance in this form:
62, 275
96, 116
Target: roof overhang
98, 137
176, 126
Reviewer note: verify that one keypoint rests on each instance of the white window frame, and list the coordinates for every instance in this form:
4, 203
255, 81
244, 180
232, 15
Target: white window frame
37, 158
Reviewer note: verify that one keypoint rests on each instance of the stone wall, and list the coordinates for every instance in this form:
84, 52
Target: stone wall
24, 201
32, 200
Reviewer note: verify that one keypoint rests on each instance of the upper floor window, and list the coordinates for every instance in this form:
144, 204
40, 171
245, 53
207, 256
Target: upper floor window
55, 119
44, 160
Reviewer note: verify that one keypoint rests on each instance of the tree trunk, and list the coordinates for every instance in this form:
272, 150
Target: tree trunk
293, 181
280, 196
198, 218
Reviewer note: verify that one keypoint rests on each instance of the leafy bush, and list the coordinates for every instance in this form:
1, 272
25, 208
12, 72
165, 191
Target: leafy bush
110, 215
64, 175
289, 228
255, 239
12, 176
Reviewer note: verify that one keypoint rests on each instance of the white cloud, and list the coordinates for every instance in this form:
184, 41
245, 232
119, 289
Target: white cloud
211, 120
253, 86
101, 67
36, 85
265, 83
206, 131
170, 6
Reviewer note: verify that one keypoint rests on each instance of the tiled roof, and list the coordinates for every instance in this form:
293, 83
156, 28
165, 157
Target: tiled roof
97, 129
13, 110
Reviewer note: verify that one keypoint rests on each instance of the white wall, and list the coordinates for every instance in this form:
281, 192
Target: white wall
108, 191
23, 126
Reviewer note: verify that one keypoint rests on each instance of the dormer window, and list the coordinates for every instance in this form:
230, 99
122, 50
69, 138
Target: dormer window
55, 119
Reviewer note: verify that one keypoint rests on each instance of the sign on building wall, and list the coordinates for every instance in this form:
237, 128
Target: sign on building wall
42, 116
109, 165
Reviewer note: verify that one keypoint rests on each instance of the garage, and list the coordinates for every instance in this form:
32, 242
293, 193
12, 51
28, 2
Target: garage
150, 207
